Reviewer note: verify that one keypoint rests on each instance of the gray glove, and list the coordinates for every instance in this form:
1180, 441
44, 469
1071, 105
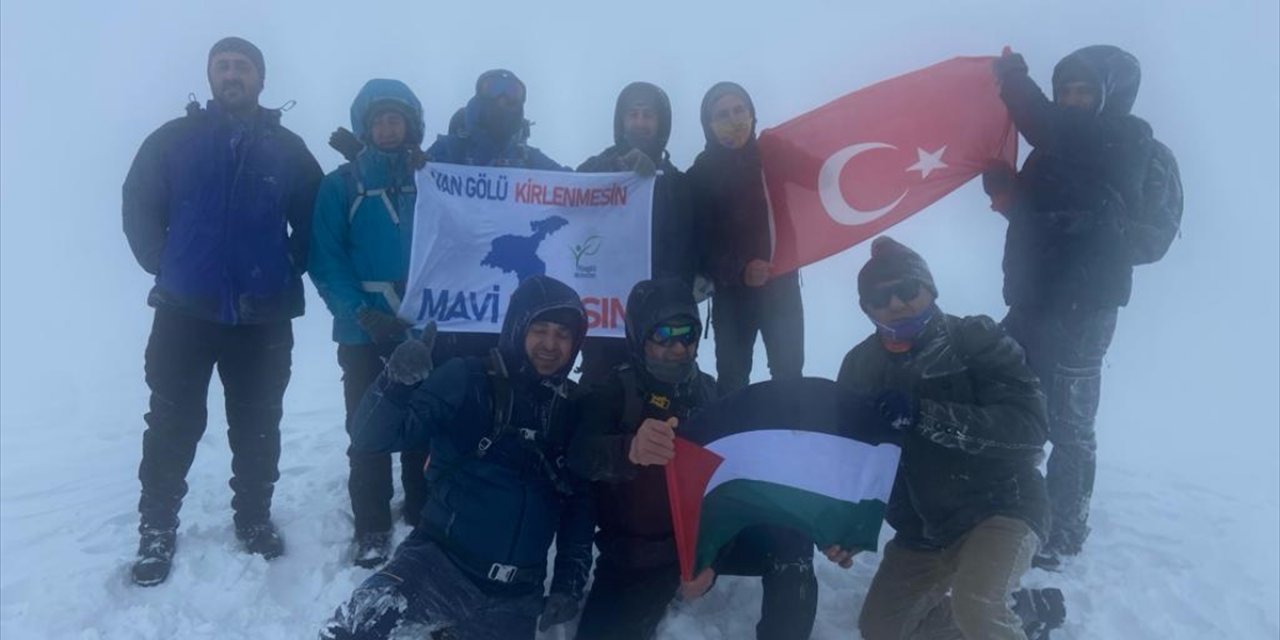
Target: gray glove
382, 326
559, 609
411, 362
639, 162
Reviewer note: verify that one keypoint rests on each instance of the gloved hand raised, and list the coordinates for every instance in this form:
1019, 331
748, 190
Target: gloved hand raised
411, 362
637, 161
382, 326
559, 609
1008, 63
346, 143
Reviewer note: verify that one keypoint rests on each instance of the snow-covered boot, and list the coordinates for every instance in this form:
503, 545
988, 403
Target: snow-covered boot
261, 539
371, 549
1047, 560
155, 556
1041, 611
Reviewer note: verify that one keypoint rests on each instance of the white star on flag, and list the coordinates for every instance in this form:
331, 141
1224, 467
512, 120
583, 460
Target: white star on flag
928, 161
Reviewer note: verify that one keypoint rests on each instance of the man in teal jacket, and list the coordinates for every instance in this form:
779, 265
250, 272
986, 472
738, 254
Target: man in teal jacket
361, 238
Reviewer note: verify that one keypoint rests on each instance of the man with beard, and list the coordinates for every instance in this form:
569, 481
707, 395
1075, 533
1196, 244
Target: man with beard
497, 429
493, 133
624, 438
749, 299
1097, 196
641, 128
359, 263
209, 204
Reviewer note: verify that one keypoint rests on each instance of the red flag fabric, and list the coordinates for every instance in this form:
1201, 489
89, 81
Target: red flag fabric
687, 476
846, 171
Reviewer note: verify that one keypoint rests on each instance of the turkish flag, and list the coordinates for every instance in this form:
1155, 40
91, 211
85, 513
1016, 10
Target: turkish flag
846, 171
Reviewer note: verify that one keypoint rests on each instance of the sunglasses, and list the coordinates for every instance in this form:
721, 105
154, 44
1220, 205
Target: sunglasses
666, 334
906, 291
499, 86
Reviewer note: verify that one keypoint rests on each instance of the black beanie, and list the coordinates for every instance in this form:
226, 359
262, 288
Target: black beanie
891, 260
241, 46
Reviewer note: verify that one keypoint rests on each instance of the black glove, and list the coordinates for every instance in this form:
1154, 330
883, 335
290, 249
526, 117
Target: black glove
998, 179
381, 326
346, 143
559, 609
1008, 64
639, 162
411, 362
899, 410
417, 158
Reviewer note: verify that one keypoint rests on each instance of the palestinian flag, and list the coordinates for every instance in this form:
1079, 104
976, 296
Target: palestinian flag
797, 453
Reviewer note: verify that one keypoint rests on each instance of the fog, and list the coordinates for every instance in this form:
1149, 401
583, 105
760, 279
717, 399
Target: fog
1190, 385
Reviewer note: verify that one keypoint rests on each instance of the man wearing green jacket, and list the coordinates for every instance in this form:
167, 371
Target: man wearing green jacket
359, 262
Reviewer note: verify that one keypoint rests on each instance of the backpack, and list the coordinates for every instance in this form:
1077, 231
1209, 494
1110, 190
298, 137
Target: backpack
1154, 223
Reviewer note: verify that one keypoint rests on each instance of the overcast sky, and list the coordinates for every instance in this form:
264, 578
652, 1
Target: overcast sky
1192, 378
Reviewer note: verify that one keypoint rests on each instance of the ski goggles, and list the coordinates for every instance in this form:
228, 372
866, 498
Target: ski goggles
666, 334
905, 290
498, 86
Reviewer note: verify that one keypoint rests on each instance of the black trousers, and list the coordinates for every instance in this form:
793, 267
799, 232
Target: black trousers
1066, 348
627, 603
370, 483
773, 311
254, 363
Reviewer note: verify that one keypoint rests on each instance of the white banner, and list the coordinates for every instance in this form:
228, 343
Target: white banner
479, 231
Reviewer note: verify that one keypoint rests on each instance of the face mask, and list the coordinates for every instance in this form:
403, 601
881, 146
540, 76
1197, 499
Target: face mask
670, 372
907, 329
733, 133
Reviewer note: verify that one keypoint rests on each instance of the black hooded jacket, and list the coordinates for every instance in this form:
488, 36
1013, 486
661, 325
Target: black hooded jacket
674, 243
631, 504
505, 505
1097, 195
729, 195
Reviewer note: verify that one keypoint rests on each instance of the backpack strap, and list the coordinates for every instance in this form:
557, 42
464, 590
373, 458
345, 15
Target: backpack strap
503, 401
358, 192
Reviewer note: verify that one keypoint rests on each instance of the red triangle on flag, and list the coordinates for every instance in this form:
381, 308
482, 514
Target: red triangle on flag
687, 477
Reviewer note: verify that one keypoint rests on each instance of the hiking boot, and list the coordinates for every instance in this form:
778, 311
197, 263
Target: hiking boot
155, 557
261, 539
1047, 560
371, 549
1041, 611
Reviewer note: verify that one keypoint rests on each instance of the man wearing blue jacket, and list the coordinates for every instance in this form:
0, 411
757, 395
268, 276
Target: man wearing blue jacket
493, 133
217, 206
360, 244
499, 491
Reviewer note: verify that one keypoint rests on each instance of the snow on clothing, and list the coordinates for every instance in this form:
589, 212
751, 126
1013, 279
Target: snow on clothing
496, 499
972, 452
1097, 195
363, 222
209, 204
638, 572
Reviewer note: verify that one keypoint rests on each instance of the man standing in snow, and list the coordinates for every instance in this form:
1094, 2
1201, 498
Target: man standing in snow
1097, 196
218, 205
623, 441
968, 504
359, 261
737, 245
499, 492
641, 128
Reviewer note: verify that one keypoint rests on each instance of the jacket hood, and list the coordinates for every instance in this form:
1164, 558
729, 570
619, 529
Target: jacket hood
394, 93
1114, 71
535, 296
650, 93
653, 302
717, 91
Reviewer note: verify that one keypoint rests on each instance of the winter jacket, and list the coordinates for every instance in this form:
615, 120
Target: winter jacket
632, 510
363, 225
499, 493
973, 450
219, 210
733, 214
674, 230
473, 145
1097, 195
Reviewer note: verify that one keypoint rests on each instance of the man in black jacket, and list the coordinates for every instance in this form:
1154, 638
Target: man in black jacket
641, 128
737, 246
624, 438
968, 504
1097, 195
499, 492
